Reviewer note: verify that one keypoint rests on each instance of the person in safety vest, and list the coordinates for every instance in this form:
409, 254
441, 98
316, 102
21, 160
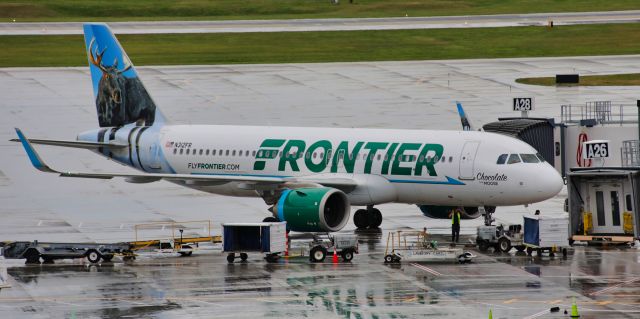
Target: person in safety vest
455, 224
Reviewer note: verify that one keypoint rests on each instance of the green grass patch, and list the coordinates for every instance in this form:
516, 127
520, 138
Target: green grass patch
347, 46
126, 10
630, 79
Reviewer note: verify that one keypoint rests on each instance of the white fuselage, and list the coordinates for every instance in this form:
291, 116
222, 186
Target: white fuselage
407, 166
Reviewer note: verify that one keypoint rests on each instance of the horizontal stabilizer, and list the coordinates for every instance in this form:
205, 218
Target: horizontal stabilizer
74, 144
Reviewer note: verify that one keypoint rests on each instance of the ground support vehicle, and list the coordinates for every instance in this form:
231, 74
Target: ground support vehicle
501, 237
546, 234
343, 245
238, 239
415, 246
34, 251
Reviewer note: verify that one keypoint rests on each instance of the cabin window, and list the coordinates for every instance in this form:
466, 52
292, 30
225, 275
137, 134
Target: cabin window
226, 153
502, 159
213, 152
379, 156
307, 155
233, 153
181, 150
207, 152
513, 158
220, 152
188, 151
175, 150
435, 159
201, 151
444, 158
260, 153
529, 158
321, 155
253, 153
450, 159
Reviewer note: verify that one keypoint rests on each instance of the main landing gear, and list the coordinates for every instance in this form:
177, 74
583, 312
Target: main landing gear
367, 218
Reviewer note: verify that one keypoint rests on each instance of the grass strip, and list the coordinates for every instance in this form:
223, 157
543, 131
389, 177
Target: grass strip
341, 46
126, 10
630, 79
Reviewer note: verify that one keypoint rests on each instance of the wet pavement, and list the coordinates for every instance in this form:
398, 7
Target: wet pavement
57, 103
604, 282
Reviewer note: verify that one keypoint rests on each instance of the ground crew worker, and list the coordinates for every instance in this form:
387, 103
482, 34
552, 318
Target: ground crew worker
455, 225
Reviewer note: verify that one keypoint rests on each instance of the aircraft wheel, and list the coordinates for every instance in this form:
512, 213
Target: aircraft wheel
231, 258
361, 219
375, 218
243, 256
483, 246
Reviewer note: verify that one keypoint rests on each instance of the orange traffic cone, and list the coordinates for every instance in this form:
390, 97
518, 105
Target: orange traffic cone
335, 256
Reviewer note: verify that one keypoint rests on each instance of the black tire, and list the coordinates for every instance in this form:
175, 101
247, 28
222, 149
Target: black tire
272, 258
32, 255
483, 245
270, 219
347, 255
361, 219
231, 258
388, 259
375, 218
318, 254
93, 256
521, 248
244, 256
504, 244
564, 252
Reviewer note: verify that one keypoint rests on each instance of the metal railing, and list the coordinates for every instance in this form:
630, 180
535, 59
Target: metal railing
630, 153
600, 112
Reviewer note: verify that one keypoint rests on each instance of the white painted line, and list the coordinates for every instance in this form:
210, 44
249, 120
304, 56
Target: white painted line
614, 287
427, 269
536, 315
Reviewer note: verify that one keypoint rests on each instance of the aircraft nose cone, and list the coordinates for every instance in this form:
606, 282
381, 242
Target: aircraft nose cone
552, 183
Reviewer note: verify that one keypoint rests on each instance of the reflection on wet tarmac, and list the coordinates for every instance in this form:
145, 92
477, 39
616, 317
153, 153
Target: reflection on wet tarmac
603, 281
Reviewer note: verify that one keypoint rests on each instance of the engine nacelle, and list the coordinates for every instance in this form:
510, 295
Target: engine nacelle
442, 212
318, 209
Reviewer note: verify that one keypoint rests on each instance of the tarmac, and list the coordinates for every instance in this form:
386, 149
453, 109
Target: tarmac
333, 24
57, 103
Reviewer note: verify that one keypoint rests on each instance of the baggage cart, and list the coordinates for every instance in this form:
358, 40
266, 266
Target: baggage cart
238, 239
546, 233
414, 246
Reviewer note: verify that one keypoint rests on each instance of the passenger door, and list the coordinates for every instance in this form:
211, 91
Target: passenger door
467, 159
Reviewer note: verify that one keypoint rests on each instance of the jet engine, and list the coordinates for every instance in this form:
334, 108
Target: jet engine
316, 209
442, 212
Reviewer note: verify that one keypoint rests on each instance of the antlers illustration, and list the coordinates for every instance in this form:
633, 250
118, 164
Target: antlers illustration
96, 59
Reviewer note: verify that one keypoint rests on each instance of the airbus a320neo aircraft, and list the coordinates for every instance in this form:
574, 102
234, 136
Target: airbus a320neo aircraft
308, 177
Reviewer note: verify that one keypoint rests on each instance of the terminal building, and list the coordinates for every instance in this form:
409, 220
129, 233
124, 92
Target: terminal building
595, 148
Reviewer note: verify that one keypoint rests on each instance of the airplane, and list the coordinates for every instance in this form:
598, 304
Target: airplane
308, 177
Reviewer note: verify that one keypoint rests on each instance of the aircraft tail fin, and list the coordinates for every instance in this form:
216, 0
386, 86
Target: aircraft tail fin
120, 96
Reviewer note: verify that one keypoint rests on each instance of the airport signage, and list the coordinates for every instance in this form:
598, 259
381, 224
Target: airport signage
523, 104
595, 149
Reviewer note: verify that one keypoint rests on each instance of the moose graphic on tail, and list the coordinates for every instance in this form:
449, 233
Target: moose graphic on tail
120, 100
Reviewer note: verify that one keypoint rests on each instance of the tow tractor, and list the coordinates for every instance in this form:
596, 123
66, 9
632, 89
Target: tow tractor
501, 237
344, 245
415, 246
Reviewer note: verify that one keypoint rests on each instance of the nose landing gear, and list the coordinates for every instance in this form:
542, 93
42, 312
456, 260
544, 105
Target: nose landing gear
367, 218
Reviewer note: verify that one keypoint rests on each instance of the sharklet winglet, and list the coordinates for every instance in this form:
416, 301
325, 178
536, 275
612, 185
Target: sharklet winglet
35, 159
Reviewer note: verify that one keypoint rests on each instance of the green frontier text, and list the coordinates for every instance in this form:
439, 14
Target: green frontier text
320, 156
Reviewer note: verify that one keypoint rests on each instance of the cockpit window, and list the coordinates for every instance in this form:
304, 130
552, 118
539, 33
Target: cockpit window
502, 158
529, 158
513, 158
540, 157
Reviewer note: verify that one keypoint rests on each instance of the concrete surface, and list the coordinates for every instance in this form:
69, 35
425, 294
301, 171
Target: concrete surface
57, 103
335, 24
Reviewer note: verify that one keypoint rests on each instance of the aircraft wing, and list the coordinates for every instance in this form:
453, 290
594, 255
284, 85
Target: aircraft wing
74, 144
209, 179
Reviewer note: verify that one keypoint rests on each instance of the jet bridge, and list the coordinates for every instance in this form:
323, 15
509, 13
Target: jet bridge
603, 204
